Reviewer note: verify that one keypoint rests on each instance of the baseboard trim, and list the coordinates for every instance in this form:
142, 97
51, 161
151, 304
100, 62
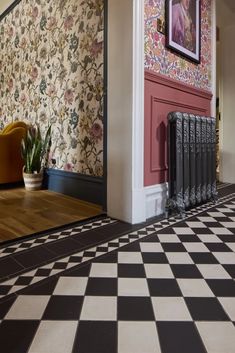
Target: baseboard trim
84, 187
155, 199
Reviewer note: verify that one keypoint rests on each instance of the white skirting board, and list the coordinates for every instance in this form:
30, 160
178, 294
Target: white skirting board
155, 199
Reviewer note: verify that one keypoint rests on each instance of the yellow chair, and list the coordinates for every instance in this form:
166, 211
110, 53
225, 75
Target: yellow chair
11, 162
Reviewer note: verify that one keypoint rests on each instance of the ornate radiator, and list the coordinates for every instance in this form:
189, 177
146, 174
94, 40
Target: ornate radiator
191, 161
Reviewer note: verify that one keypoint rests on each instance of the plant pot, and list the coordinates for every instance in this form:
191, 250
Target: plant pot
33, 181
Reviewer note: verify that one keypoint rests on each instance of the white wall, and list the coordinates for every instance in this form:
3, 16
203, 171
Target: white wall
125, 142
225, 20
4, 5
227, 147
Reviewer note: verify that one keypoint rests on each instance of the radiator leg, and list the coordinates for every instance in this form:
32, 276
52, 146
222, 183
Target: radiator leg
215, 198
182, 212
170, 206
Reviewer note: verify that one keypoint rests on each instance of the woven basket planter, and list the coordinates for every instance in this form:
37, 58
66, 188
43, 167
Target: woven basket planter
33, 181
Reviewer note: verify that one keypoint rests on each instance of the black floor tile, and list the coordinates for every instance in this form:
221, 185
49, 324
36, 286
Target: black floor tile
131, 271
102, 286
45, 287
135, 309
153, 238
43, 272
91, 238
227, 238
5, 306
186, 271
133, 247
34, 257
173, 247
157, 258
65, 307
9, 266
108, 258
230, 269
5, 289
202, 230
164, 288
104, 233
203, 258
218, 247
167, 230
192, 238
206, 309
216, 224
78, 271
96, 337
64, 247
179, 337
23, 281
17, 335
180, 225
222, 288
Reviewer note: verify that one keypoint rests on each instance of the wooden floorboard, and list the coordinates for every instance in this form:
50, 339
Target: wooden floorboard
26, 212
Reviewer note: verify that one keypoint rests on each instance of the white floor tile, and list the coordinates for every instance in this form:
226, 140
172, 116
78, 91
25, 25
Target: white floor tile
70, 286
227, 258
138, 337
28, 307
206, 219
168, 238
218, 337
221, 231
195, 247
223, 210
229, 306
158, 271
183, 230
151, 247
196, 224
212, 271
54, 337
217, 214
228, 224
179, 258
133, 287
129, 257
194, 288
231, 245
103, 270
99, 308
209, 238
170, 309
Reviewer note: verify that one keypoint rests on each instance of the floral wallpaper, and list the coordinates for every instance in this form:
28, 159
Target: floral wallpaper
51, 72
159, 59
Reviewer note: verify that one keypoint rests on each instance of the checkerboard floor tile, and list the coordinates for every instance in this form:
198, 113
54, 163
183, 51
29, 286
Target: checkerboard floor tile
20, 245
166, 288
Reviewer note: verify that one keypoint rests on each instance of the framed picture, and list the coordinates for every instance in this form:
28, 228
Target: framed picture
6, 6
183, 27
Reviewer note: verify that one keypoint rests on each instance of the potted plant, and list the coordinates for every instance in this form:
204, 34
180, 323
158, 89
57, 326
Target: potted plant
34, 149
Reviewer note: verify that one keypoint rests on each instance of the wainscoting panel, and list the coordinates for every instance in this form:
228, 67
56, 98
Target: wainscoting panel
80, 186
163, 95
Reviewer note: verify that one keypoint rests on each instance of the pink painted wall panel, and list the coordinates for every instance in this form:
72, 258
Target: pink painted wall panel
163, 95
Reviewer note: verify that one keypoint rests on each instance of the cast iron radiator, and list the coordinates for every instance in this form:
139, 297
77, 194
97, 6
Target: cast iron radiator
191, 161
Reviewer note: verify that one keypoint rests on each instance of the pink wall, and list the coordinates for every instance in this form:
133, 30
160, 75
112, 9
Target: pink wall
172, 83
163, 95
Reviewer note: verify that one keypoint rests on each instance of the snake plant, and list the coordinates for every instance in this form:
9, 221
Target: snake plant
34, 148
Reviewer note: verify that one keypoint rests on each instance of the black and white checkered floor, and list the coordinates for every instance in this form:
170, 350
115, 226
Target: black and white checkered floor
165, 288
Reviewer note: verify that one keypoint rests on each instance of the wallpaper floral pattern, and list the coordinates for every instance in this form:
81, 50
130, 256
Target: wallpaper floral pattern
159, 59
51, 72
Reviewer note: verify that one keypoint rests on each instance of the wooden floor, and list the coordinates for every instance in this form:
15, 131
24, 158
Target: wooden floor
26, 212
